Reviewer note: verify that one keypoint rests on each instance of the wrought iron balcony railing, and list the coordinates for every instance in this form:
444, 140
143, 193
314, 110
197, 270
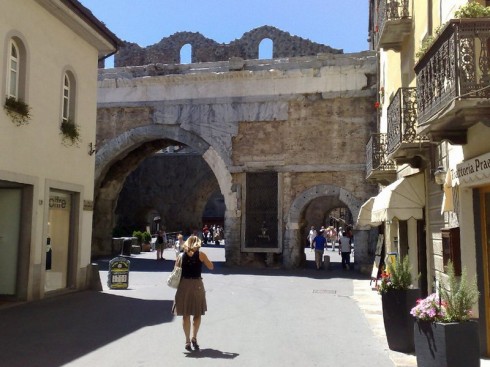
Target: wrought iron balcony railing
455, 68
393, 22
377, 162
402, 120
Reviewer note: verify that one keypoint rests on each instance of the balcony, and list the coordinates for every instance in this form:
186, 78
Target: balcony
404, 144
378, 167
453, 91
393, 23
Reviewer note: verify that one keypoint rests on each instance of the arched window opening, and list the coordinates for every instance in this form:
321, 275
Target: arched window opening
266, 48
13, 71
68, 98
186, 54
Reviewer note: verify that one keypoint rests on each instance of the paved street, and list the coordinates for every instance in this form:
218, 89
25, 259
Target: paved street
256, 317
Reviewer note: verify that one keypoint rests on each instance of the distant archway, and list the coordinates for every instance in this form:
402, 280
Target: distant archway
266, 49
293, 247
186, 54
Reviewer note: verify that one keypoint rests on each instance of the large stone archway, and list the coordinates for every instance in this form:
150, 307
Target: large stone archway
303, 121
293, 250
119, 156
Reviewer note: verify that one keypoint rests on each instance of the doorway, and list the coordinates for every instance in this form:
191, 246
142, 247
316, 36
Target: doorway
10, 224
485, 230
59, 244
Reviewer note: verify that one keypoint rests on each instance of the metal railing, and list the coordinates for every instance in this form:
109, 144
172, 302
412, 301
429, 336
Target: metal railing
456, 66
376, 154
390, 10
402, 119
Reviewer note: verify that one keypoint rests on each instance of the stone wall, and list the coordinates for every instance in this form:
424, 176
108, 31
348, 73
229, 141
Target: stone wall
167, 51
176, 186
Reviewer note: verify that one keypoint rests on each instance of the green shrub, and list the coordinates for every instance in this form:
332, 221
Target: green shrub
458, 297
138, 235
18, 110
146, 237
472, 10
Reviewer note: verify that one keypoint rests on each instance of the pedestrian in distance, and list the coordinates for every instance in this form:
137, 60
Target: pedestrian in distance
179, 245
345, 249
319, 242
311, 236
159, 244
190, 298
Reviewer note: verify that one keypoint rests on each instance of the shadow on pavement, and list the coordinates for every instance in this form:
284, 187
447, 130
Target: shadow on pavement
211, 353
57, 330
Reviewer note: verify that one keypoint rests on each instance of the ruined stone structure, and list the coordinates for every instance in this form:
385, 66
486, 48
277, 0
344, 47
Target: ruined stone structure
279, 136
167, 51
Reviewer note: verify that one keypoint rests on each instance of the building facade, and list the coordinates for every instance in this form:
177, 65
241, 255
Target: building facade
48, 80
430, 153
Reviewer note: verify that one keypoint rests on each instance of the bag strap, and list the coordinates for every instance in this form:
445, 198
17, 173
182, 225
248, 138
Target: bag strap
178, 262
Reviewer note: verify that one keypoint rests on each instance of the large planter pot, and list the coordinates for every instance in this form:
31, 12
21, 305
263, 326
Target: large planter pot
397, 319
447, 344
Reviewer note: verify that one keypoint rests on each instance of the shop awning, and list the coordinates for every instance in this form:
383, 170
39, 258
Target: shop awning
403, 199
364, 217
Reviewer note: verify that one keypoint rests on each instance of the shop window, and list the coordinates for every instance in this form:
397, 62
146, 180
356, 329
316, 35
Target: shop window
451, 248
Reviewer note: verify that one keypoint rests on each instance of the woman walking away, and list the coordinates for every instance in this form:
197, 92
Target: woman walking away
190, 298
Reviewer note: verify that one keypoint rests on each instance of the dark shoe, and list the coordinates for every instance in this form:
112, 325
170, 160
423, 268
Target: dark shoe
188, 347
194, 344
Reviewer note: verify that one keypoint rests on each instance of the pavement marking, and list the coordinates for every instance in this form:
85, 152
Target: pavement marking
323, 291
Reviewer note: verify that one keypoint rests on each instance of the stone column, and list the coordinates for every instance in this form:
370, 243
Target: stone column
364, 249
232, 237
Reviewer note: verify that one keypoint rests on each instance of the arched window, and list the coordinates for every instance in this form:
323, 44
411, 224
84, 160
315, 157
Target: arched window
68, 98
16, 69
65, 115
266, 48
13, 70
186, 54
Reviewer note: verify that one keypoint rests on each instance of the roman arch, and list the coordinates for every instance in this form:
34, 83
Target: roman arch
276, 134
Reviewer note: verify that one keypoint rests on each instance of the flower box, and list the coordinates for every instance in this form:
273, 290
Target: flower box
397, 319
452, 344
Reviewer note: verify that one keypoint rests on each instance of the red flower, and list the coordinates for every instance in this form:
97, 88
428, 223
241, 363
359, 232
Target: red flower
376, 105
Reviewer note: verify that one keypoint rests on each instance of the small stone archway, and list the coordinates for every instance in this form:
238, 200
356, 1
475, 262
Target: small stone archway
293, 249
119, 156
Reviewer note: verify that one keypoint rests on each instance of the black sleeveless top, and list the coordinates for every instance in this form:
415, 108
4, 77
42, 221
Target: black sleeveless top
191, 265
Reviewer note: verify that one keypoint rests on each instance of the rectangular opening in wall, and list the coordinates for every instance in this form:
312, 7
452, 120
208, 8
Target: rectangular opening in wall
261, 210
451, 250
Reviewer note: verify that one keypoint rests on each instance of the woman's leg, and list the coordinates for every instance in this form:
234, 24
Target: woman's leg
196, 323
186, 324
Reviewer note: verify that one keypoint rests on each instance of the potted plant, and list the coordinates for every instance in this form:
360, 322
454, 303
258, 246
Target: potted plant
17, 110
444, 334
146, 241
398, 297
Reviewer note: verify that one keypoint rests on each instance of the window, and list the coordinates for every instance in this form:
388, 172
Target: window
266, 48
68, 98
186, 54
13, 71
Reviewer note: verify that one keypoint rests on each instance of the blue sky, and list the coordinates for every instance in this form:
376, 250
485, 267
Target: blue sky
339, 24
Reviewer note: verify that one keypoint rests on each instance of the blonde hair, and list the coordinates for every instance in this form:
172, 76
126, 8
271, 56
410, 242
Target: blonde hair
180, 237
193, 243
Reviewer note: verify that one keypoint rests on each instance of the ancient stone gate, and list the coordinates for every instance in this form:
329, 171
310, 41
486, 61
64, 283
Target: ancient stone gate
277, 134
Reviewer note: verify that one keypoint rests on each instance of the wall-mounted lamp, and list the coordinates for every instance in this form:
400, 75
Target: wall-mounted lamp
91, 149
440, 175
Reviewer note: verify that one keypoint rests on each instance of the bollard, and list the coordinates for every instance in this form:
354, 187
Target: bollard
326, 261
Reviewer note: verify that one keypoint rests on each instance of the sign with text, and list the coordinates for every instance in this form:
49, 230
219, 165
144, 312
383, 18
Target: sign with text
474, 171
118, 277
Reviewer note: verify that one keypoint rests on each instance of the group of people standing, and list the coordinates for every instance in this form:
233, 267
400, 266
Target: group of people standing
318, 241
212, 234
